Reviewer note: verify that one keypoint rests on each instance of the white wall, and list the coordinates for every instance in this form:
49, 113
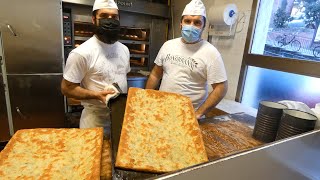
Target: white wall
231, 49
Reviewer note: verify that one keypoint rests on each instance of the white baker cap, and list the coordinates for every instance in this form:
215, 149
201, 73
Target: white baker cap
195, 7
100, 4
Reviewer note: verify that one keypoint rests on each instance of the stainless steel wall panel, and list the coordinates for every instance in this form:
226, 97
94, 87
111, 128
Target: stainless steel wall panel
159, 32
135, 20
144, 7
36, 101
84, 14
135, 6
80, 13
4, 125
36, 44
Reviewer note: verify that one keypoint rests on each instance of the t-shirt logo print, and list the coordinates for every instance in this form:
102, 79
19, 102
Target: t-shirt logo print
112, 56
120, 70
181, 61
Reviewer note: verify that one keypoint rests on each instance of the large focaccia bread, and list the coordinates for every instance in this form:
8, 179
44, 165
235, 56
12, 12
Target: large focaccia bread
52, 154
160, 133
106, 167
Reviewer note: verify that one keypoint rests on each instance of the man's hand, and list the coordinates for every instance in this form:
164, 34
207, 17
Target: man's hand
101, 95
154, 77
198, 115
74, 90
218, 92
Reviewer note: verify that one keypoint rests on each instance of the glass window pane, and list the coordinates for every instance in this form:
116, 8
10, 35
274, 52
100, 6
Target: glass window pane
288, 28
264, 84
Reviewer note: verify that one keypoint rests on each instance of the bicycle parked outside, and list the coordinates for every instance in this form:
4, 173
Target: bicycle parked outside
316, 51
284, 40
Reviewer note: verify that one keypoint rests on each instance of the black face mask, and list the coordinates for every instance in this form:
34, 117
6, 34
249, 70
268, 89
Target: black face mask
108, 30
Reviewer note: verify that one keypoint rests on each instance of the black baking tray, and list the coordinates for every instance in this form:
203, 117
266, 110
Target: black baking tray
3, 145
117, 108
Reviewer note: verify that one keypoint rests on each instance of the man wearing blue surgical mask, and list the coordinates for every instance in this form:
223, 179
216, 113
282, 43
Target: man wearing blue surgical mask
187, 65
191, 28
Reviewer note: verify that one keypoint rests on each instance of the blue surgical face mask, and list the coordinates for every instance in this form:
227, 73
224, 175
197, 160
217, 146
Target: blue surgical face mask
190, 33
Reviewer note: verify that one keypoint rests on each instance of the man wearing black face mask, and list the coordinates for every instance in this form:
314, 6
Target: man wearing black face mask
107, 30
95, 65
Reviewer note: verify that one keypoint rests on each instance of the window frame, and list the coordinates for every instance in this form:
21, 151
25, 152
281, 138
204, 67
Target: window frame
290, 65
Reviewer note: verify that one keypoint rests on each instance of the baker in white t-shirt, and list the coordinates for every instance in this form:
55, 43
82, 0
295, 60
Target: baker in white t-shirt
187, 65
95, 64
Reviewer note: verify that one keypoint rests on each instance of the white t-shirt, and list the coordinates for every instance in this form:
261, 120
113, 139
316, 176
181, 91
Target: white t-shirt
95, 65
188, 68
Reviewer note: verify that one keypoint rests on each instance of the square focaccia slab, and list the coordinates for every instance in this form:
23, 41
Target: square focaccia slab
160, 133
106, 166
52, 154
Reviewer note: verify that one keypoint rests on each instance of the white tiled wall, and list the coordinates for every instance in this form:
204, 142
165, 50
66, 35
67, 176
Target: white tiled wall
231, 49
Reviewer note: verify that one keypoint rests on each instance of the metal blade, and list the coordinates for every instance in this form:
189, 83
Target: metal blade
118, 87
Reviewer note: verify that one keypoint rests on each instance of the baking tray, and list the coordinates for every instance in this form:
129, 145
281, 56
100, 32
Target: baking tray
241, 117
3, 145
117, 108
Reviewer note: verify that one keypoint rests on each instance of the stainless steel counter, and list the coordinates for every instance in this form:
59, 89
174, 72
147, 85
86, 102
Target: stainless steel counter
294, 158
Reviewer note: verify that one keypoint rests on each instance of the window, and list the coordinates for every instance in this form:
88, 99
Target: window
281, 58
265, 84
288, 28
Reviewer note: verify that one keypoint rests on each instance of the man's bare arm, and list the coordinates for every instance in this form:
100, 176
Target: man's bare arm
74, 90
154, 77
217, 94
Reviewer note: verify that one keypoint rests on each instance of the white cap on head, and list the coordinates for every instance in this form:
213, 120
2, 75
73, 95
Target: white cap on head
100, 4
195, 7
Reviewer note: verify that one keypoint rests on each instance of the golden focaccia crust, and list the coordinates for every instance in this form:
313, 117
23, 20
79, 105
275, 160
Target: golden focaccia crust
52, 154
160, 133
106, 168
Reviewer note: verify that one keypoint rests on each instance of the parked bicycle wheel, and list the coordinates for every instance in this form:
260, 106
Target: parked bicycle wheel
295, 45
279, 41
316, 51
